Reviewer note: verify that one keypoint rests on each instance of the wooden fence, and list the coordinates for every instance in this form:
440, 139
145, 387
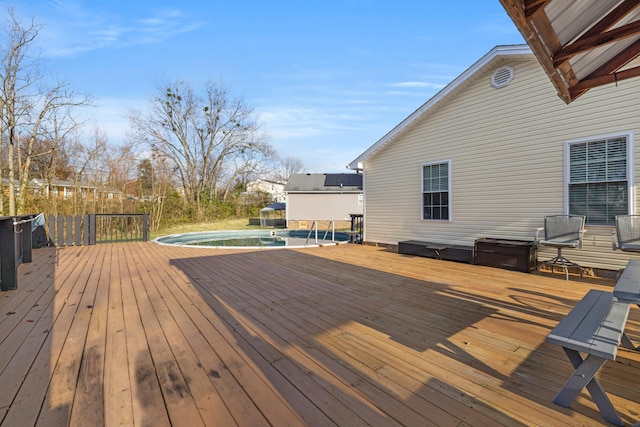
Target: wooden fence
19, 234
95, 228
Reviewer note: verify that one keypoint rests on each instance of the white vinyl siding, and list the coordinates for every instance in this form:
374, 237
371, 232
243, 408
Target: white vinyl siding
507, 146
323, 206
598, 177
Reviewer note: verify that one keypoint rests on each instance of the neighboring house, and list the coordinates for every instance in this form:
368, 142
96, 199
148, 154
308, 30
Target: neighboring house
323, 197
66, 189
495, 151
273, 188
108, 193
62, 189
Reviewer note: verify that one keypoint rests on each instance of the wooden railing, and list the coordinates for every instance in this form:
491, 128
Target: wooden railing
15, 248
18, 237
113, 228
96, 228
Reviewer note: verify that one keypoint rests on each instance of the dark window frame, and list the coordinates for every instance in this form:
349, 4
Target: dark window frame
435, 189
599, 177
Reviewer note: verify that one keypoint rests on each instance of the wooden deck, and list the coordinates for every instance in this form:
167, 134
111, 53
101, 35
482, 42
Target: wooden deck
146, 335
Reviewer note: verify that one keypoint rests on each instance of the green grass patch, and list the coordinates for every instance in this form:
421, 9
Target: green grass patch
224, 224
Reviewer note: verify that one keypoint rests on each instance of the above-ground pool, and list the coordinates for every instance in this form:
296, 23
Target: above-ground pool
254, 238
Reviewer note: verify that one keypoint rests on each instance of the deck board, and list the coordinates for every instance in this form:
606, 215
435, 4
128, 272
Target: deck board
148, 335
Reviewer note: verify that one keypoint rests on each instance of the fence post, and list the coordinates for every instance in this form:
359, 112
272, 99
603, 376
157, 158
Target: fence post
145, 227
27, 240
69, 230
8, 270
85, 230
92, 229
78, 231
60, 231
51, 229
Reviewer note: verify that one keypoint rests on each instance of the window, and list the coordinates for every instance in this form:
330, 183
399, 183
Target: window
599, 178
435, 191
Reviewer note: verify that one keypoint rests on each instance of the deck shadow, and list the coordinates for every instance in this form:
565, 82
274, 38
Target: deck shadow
362, 319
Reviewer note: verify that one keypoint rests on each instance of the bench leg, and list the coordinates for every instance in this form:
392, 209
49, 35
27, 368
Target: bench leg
627, 343
584, 376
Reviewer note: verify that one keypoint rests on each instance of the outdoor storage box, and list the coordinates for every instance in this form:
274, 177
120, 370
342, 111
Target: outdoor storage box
518, 255
436, 250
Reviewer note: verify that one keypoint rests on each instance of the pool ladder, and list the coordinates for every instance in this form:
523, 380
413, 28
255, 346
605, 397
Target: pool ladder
314, 226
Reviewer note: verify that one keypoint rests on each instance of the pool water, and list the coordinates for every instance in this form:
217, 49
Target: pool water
253, 238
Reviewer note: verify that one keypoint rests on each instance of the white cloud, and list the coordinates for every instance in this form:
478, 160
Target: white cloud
111, 116
71, 29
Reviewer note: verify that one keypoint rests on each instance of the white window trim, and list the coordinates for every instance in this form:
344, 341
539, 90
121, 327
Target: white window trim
630, 160
422, 165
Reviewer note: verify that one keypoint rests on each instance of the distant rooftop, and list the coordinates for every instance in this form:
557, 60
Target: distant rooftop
324, 183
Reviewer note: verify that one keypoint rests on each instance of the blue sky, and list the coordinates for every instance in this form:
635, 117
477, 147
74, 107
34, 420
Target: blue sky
326, 79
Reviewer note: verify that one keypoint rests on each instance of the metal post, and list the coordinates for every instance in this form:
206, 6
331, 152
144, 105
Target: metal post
145, 227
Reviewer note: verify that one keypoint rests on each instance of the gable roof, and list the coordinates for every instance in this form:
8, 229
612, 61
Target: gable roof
580, 44
495, 56
324, 183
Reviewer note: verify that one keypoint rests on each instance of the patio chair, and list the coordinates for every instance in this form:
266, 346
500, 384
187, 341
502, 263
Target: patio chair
560, 232
626, 236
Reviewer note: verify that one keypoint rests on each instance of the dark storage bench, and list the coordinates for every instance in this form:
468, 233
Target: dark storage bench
419, 248
436, 250
518, 255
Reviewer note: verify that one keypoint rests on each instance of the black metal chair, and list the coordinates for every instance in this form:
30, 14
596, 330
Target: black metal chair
560, 232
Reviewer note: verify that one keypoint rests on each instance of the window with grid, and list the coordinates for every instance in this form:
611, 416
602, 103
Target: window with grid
598, 181
435, 191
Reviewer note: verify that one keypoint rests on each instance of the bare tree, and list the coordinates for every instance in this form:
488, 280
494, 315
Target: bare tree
162, 186
30, 110
285, 167
18, 75
246, 167
121, 163
201, 135
54, 123
88, 166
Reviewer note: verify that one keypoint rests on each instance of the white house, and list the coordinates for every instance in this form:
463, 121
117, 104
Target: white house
495, 151
323, 197
273, 188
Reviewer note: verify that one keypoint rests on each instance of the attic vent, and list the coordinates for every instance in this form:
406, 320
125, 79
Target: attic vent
502, 77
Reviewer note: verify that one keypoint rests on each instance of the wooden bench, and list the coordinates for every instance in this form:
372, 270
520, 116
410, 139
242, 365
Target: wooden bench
595, 327
627, 290
628, 285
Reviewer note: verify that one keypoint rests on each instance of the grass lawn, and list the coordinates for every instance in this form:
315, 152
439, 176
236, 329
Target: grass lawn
224, 224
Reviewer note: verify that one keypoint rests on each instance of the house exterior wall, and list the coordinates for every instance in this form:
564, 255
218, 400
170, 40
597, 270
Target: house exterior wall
506, 148
309, 207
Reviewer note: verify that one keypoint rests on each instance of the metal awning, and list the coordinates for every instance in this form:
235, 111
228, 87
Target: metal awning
581, 44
